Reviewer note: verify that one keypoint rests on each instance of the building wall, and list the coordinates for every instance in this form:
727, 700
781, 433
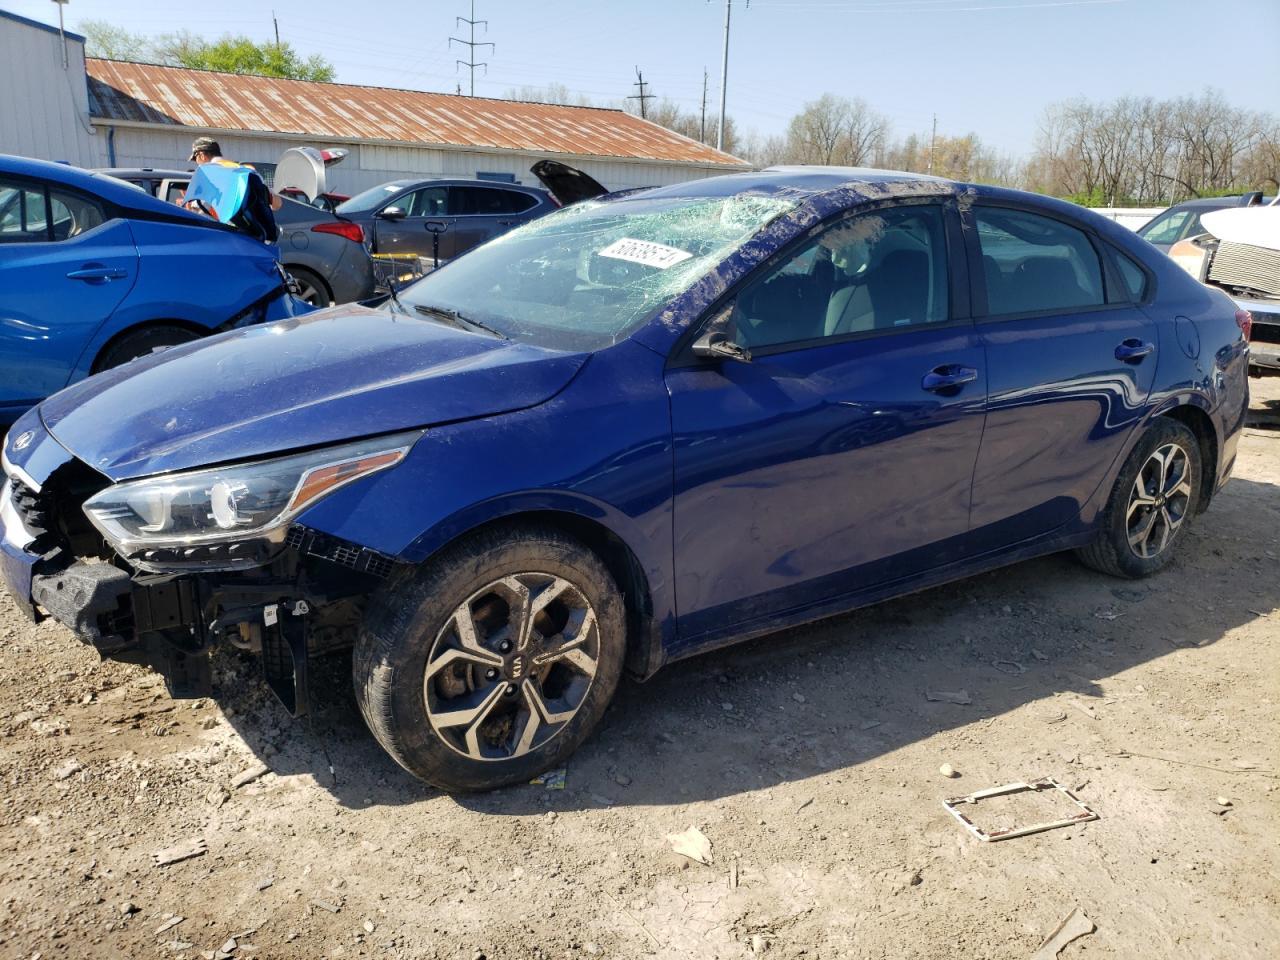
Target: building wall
368, 166
44, 110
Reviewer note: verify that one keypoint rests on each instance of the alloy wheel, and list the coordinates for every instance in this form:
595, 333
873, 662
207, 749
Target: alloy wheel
1159, 501
308, 293
511, 666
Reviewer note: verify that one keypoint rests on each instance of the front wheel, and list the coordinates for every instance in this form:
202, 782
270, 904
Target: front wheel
1151, 503
494, 662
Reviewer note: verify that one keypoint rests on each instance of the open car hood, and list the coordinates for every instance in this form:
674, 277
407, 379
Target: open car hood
327, 377
565, 183
1256, 226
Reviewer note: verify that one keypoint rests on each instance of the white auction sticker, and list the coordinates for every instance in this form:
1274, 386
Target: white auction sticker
643, 251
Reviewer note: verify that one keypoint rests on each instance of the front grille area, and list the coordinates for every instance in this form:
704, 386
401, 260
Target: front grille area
1247, 267
342, 552
32, 508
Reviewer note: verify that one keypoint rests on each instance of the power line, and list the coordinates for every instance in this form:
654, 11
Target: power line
471, 45
641, 96
703, 129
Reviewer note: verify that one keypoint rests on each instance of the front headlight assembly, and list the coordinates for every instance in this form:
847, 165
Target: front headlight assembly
232, 516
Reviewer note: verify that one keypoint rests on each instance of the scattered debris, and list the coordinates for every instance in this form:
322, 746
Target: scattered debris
1053, 716
168, 924
1107, 613
692, 844
217, 796
265, 883
255, 772
1046, 783
229, 945
69, 768
622, 780
869, 724
552, 779
1219, 809
916, 878
947, 770
798, 697
326, 905
196, 847
1038, 655
1084, 708
368, 926
128, 908
1075, 925
945, 696
733, 875
1224, 801
804, 803
1012, 667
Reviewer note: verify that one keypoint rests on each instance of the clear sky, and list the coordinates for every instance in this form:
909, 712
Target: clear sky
987, 66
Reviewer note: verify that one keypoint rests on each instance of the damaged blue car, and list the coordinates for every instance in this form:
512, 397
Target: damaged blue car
633, 430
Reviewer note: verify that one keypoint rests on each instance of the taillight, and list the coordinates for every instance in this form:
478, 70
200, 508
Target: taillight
1244, 320
343, 228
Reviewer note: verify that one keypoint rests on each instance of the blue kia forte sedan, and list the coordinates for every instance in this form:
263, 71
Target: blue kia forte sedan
95, 272
633, 430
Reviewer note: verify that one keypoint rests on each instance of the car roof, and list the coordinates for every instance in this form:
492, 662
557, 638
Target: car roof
118, 192
143, 172
463, 182
792, 181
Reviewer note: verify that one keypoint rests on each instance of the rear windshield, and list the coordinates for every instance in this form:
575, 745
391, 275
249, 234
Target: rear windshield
586, 276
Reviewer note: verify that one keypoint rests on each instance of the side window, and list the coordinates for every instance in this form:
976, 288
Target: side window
518, 202
1166, 228
1132, 277
72, 214
473, 201
1033, 263
872, 272
22, 213
427, 202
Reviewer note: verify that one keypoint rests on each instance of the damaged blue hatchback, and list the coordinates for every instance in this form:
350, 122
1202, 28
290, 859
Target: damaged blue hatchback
636, 429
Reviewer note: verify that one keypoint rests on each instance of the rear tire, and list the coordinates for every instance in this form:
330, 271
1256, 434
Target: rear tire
141, 343
310, 287
1153, 500
492, 663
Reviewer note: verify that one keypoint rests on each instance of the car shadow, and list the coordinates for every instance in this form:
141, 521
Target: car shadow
827, 697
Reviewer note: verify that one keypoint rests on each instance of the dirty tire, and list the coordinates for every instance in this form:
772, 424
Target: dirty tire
1111, 552
404, 619
310, 287
142, 343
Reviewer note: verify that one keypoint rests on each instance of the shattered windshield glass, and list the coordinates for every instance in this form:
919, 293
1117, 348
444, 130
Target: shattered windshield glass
588, 275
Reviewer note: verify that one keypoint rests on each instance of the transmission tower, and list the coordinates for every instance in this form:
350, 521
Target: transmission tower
471, 45
643, 97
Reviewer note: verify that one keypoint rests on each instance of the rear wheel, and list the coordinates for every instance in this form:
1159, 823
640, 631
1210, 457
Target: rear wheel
494, 662
310, 287
1151, 504
142, 342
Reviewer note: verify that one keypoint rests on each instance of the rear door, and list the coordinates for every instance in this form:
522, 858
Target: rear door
481, 213
1070, 364
64, 268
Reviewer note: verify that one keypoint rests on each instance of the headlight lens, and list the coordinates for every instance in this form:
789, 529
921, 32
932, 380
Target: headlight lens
186, 519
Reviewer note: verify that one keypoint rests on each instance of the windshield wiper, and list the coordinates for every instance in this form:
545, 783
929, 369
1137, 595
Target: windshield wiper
458, 320
391, 287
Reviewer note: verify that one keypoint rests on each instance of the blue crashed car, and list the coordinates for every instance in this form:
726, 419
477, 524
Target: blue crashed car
94, 273
625, 433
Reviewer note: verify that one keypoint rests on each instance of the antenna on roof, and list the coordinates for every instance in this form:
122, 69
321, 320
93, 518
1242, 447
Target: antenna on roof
471, 45
62, 31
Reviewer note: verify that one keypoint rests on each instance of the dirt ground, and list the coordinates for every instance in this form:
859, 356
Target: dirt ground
809, 759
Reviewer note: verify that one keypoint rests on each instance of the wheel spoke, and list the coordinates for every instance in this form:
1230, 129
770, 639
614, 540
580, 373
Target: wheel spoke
454, 655
1138, 538
469, 717
1166, 528
573, 649
465, 626
535, 698
532, 724
520, 607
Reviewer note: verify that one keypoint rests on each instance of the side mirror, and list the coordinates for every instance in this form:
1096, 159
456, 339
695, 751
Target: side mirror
716, 345
392, 213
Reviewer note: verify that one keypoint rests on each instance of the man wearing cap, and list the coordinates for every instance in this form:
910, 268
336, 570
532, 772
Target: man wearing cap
254, 216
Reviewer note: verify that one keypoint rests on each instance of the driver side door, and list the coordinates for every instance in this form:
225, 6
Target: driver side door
408, 237
841, 455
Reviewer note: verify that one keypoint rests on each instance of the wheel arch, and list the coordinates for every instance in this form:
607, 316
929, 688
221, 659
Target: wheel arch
1195, 417
645, 649
324, 281
115, 338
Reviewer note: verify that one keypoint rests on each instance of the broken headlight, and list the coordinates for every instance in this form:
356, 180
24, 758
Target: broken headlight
230, 516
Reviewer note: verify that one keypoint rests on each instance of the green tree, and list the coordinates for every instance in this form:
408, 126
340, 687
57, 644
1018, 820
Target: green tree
101, 39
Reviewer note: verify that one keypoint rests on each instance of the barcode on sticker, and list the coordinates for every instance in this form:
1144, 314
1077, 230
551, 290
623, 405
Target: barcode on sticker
646, 252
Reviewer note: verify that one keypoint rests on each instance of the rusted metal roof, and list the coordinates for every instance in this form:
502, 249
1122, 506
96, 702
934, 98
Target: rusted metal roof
206, 100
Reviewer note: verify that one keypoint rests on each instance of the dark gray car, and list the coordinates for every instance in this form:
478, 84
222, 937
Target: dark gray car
1182, 220
323, 252
441, 219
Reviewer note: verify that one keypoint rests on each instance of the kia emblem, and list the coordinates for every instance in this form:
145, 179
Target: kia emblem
23, 440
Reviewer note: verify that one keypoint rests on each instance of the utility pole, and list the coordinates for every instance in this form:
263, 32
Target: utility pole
933, 139
471, 45
703, 135
62, 33
641, 96
276, 23
724, 72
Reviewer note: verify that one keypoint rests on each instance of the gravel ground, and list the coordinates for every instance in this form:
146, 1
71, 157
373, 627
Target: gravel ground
810, 760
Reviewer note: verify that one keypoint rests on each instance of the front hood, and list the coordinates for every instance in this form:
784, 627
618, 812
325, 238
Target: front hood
1255, 226
334, 375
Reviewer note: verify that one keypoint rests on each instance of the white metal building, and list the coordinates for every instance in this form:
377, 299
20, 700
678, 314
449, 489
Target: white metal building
100, 113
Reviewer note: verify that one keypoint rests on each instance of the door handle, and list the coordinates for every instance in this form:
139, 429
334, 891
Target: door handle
436, 226
96, 272
1133, 350
949, 376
